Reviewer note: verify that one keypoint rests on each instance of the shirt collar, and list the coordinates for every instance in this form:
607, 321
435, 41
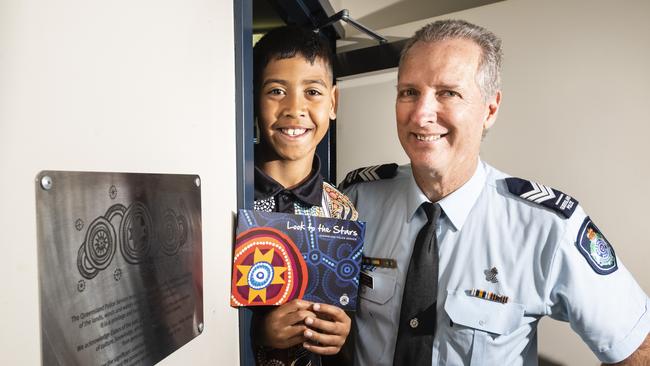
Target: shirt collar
310, 191
457, 205
415, 197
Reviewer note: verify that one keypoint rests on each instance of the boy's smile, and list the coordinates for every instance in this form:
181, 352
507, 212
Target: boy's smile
294, 131
296, 102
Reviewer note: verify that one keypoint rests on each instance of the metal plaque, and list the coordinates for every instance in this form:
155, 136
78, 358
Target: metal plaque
119, 259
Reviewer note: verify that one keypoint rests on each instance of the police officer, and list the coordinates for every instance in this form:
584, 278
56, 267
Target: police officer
463, 260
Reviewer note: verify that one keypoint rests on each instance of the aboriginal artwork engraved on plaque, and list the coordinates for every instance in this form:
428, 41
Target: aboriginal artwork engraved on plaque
136, 233
81, 285
112, 192
117, 274
133, 231
174, 232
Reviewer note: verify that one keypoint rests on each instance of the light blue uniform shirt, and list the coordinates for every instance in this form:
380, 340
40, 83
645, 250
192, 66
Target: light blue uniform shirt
483, 226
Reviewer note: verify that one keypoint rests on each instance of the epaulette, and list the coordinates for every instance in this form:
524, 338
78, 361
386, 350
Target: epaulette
542, 195
368, 174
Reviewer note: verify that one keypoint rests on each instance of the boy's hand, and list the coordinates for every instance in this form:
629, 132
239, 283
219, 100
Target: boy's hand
327, 332
283, 327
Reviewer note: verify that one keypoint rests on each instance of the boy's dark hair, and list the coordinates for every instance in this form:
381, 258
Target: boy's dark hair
287, 42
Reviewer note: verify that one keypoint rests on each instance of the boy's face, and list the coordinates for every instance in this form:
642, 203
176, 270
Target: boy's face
296, 102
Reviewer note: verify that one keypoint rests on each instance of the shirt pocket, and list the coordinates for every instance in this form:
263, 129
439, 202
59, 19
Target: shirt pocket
477, 324
375, 317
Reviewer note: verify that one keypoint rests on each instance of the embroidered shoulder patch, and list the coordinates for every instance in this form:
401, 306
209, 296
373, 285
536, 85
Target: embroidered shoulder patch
595, 248
368, 174
545, 196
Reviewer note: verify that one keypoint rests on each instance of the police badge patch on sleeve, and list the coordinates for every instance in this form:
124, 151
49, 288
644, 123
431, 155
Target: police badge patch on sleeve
595, 248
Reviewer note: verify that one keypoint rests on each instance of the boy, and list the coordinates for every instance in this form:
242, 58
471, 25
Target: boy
295, 100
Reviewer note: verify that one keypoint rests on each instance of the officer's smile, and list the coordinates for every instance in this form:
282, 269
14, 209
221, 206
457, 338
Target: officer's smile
428, 138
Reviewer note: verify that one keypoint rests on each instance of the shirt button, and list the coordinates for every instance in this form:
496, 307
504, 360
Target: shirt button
414, 323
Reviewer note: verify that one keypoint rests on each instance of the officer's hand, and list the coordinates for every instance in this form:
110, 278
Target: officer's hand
283, 327
327, 333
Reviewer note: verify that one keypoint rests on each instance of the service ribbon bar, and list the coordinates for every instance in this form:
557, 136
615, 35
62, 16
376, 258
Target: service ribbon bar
488, 295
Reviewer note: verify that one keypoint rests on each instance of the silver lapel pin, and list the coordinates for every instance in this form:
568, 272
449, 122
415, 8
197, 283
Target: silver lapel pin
491, 274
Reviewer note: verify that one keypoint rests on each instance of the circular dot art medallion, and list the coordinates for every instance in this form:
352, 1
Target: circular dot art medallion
100, 243
347, 269
182, 229
136, 233
314, 257
268, 268
169, 233
260, 275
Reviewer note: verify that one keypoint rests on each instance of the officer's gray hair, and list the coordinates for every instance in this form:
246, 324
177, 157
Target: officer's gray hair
489, 68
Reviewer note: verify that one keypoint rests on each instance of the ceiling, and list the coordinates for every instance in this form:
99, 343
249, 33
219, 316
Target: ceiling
377, 15
380, 14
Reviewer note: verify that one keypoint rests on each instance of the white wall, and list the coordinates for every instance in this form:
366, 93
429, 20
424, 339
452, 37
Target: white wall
365, 124
121, 86
575, 116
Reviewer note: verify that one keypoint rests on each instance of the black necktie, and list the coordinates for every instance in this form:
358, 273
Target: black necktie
417, 320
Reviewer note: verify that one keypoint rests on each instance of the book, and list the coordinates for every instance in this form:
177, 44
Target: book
279, 257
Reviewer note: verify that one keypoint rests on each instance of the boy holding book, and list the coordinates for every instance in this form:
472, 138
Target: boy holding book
295, 99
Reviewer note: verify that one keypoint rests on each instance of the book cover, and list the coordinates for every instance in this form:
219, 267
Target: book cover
279, 257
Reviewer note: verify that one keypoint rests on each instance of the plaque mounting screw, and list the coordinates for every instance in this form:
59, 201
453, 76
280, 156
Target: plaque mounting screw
200, 327
197, 181
46, 182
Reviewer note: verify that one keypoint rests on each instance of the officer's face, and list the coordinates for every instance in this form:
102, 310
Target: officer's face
296, 102
440, 110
